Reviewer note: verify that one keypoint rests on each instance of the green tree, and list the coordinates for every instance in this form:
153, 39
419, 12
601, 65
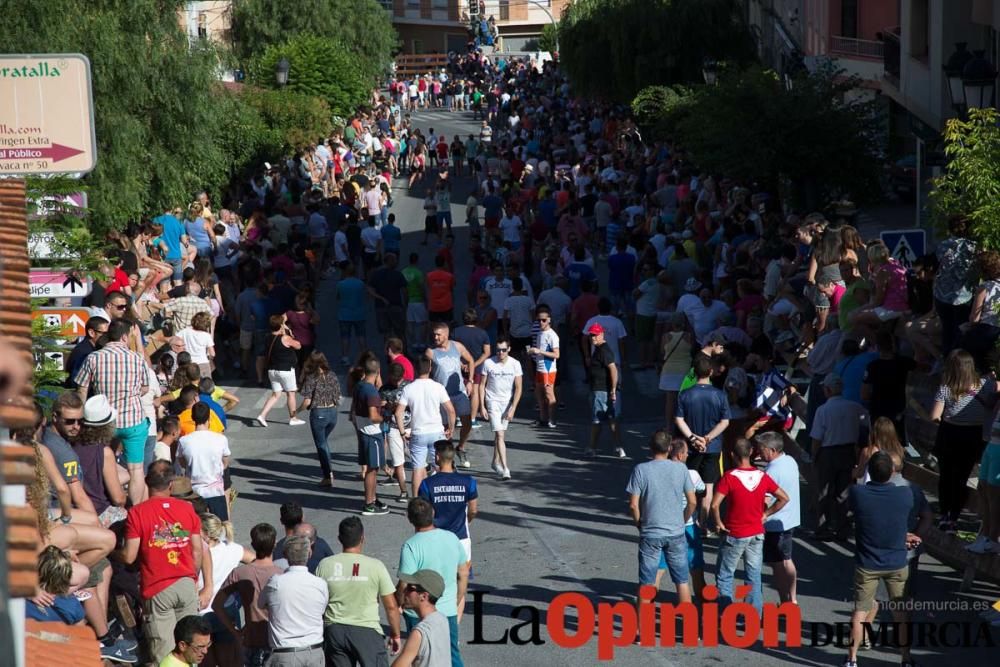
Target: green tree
611, 49
658, 109
364, 27
156, 115
817, 136
319, 67
290, 119
549, 39
970, 185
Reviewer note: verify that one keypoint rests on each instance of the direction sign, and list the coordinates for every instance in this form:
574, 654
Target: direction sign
46, 283
72, 321
47, 115
905, 245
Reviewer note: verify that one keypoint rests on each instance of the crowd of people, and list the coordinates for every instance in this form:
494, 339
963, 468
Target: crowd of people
583, 239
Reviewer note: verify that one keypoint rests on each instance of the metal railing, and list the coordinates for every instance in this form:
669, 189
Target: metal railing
857, 48
891, 55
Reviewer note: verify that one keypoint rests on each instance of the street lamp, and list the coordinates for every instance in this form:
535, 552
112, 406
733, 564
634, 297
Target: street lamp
281, 72
953, 72
710, 70
979, 79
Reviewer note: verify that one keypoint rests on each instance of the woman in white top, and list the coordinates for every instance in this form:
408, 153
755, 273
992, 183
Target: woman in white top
225, 556
199, 342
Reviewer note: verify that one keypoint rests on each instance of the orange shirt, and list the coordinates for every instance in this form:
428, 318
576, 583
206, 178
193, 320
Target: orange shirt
440, 284
187, 424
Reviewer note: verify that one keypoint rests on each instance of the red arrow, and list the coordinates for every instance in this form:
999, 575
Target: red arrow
58, 152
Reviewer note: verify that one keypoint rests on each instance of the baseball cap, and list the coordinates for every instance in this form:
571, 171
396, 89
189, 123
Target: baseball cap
595, 329
833, 381
429, 580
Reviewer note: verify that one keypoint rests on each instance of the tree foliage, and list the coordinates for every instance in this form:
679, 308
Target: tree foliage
362, 26
320, 67
155, 114
817, 135
549, 39
658, 109
970, 185
290, 119
611, 49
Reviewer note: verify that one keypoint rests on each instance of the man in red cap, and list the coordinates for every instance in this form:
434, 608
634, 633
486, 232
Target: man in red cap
603, 374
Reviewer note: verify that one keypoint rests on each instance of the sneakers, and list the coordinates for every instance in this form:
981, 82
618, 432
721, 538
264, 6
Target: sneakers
260, 420
539, 423
589, 453
476, 425
404, 497
295, 421
374, 509
947, 526
496, 467
463, 458
326, 482
620, 453
983, 545
118, 652
850, 663
388, 481
551, 424
506, 474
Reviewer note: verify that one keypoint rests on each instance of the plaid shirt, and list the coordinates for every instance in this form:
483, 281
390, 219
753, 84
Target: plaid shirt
118, 373
183, 308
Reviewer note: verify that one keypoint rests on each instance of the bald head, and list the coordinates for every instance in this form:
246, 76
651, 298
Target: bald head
306, 530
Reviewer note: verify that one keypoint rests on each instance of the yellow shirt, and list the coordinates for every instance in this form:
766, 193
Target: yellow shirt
187, 424
216, 393
173, 661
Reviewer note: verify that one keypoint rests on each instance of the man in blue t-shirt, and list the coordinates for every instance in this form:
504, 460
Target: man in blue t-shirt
621, 277
175, 236
881, 512
702, 416
391, 235
453, 495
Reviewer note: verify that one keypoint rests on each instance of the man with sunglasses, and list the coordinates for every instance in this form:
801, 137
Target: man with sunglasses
500, 389
429, 643
96, 327
545, 352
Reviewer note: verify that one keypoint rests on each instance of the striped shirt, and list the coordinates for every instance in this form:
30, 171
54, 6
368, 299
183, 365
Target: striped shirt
119, 374
183, 309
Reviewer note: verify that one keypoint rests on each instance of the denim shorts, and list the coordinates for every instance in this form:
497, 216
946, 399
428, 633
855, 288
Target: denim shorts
695, 551
347, 326
673, 549
422, 448
178, 266
601, 409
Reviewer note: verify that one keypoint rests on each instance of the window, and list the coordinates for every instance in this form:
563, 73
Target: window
919, 29
202, 25
504, 10
418, 46
439, 4
849, 18
386, 4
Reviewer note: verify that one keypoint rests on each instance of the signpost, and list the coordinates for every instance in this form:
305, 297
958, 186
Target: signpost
905, 245
72, 321
49, 283
47, 115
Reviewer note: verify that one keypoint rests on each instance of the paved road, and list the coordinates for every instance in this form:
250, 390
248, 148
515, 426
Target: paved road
559, 525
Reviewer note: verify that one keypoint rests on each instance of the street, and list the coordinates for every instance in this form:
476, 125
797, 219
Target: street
560, 524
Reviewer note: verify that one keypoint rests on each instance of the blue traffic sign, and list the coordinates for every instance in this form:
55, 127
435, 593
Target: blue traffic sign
905, 245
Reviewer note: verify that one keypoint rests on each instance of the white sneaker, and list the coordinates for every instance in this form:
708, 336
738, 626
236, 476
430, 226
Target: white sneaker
506, 474
260, 420
295, 421
979, 545
620, 453
496, 468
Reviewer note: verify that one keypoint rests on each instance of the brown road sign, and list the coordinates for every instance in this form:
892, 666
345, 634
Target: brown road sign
47, 114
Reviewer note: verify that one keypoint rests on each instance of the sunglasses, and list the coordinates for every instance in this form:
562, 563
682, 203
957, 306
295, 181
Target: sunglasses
70, 422
118, 306
502, 350
543, 319
413, 587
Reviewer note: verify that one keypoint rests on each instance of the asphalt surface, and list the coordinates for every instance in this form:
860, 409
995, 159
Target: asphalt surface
560, 524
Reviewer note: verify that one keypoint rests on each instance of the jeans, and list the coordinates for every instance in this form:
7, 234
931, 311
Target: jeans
322, 422
752, 551
672, 550
833, 472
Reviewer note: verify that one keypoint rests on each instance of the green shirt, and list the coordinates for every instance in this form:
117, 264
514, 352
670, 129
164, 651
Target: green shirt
437, 550
356, 582
173, 661
414, 284
849, 303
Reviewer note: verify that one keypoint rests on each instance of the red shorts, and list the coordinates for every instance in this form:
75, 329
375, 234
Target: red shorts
491, 223
547, 379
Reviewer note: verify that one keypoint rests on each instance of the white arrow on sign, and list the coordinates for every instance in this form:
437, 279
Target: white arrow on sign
77, 325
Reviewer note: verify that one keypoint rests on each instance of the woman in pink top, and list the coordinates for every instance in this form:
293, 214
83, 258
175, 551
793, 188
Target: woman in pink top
302, 321
889, 299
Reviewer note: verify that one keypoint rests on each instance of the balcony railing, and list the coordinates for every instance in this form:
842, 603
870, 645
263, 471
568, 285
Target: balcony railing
890, 55
856, 48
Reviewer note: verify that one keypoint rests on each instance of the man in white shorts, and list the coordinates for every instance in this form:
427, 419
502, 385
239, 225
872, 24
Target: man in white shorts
426, 400
500, 388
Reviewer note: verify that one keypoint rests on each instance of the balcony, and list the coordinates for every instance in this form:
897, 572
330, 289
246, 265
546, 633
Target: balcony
890, 55
849, 47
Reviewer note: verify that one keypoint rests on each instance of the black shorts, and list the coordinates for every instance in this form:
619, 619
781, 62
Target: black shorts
431, 224
518, 344
370, 260
707, 466
778, 545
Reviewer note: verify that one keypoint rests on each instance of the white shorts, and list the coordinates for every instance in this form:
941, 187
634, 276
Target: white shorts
496, 412
416, 312
467, 544
394, 443
282, 380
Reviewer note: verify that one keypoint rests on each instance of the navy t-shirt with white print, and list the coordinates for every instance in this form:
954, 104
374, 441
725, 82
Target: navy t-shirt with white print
450, 493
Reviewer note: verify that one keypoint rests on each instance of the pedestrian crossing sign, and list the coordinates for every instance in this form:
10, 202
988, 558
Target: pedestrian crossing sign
905, 245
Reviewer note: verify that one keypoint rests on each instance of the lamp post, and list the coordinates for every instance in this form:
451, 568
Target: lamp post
979, 79
281, 72
710, 70
953, 73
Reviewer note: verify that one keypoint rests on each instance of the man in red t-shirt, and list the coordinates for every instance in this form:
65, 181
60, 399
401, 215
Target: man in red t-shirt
164, 535
746, 488
440, 292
